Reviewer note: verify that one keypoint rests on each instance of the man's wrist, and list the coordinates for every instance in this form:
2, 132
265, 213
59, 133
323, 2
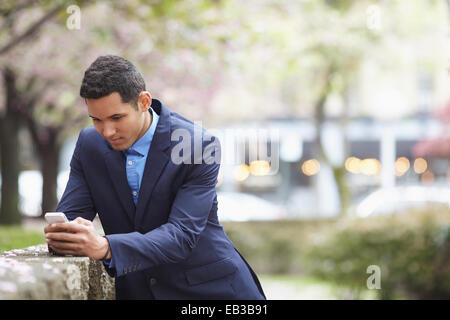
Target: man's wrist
107, 255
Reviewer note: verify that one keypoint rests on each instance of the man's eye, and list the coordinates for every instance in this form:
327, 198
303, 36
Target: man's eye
117, 118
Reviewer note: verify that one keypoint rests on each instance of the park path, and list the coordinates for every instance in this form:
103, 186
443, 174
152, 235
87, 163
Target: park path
283, 290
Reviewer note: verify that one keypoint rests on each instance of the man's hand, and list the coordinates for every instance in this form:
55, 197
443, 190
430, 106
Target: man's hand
78, 238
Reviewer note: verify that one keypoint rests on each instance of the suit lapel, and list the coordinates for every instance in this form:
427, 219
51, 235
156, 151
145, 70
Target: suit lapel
115, 162
157, 159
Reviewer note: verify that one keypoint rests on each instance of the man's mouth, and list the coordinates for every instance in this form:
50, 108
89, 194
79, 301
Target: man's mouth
115, 141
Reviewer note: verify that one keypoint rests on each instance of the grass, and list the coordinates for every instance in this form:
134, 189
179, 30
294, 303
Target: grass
16, 237
295, 287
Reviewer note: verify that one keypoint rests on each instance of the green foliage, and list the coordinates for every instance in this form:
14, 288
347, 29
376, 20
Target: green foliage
412, 250
341, 5
275, 246
15, 237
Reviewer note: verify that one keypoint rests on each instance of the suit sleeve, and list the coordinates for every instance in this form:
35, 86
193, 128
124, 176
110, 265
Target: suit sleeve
173, 241
76, 200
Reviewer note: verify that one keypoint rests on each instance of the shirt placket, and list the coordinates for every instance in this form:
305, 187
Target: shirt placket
133, 178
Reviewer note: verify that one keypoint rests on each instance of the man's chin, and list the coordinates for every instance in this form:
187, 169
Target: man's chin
119, 146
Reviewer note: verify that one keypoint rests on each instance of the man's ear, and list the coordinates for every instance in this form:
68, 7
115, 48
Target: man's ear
144, 100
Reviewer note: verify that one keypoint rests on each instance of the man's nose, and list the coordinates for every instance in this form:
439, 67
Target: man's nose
109, 131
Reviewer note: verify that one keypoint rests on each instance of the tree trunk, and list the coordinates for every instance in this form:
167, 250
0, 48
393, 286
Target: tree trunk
339, 172
9, 213
46, 139
49, 156
10, 167
343, 189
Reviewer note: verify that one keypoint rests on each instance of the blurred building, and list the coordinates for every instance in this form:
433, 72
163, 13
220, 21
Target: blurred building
375, 153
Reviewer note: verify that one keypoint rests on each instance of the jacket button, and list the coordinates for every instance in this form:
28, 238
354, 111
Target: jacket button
152, 281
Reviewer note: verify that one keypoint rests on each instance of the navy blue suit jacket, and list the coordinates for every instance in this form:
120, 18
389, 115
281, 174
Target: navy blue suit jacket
171, 246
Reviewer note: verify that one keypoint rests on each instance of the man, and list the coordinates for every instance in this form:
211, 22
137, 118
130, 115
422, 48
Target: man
163, 238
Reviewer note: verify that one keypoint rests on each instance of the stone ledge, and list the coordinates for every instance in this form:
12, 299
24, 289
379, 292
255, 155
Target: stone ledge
30, 273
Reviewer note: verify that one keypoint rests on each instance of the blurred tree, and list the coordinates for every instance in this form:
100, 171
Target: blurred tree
46, 136
10, 9
14, 32
9, 150
178, 47
49, 107
338, 56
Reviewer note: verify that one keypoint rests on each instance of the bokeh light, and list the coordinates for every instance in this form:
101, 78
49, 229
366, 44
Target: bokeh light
401, 166
311, 167
241, 172
420, 165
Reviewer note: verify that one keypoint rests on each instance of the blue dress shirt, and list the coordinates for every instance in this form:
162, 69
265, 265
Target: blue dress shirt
137, 157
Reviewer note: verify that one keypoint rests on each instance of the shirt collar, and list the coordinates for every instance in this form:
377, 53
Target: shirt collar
142, 145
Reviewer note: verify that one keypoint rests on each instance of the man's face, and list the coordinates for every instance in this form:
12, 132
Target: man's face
119, 123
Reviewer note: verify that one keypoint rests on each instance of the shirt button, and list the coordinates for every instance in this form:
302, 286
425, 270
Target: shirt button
130, 163
135, 193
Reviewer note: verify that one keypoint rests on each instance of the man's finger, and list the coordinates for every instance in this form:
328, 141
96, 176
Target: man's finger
82, 221
63, 245
63, 236
53, 227
56, 227
66, 251
65, 227
47, 229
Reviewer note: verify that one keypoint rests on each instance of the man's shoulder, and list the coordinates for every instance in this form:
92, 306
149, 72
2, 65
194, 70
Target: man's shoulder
177, 121
90, 133
89, 137
190, 135
180, 123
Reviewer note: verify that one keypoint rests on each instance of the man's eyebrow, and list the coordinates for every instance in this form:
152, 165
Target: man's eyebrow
111, 116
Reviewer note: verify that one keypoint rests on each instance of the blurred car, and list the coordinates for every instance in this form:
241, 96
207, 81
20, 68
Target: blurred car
236, 206
400, 198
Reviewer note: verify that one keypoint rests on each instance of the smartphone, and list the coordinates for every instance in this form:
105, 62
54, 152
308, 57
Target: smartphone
55, 217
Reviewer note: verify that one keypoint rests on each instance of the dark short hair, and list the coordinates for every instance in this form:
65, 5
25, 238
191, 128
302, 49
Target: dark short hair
108, 74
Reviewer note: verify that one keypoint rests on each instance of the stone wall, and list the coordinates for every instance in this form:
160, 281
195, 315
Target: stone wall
30, 273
